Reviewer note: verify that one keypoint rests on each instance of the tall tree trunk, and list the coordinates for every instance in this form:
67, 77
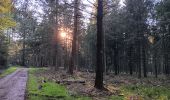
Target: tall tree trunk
139, 59
167, 53
104, 52
144, 62
155, 65
99, 59
23, 53
55, 56
73, 53
116, 60
130, 60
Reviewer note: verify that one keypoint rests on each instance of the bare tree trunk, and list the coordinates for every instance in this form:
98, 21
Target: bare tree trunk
130, 61
140, 60
99, 62
155, 64
73, 53
116, 65
23, 53
144, 61
104, 53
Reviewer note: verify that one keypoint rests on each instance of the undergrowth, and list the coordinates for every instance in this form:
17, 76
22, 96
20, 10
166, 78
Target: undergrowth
38, 90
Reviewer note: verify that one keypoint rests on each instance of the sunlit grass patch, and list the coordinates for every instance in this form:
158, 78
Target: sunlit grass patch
48, 90
39, 90
53, 89
8, 71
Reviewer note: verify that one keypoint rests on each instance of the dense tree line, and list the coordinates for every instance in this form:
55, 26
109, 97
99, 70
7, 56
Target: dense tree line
129, 39
135, 38
6, 23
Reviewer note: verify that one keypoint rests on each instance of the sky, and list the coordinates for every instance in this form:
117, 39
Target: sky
121, 2
92, 1
87, 9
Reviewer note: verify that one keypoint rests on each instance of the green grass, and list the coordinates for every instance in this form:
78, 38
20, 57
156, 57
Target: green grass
116, 98
147, 92
49, 90
8, 71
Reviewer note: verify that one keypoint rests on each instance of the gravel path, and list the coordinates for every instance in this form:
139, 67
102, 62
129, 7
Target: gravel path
13, 86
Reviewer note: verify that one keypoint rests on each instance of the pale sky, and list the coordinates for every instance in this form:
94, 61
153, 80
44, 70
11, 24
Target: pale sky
89, 9
121, 2
86, 11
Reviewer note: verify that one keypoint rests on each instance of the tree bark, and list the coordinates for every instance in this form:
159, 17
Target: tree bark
99, 59
73, 53
155, 65
23, 53
144, 62
116, 60
130, 60
139, 59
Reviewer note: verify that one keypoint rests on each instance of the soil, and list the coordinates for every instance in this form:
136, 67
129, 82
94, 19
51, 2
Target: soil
13, 86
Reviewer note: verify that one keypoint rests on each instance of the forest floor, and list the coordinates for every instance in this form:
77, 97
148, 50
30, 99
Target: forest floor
46, 84
122, 87
13, 86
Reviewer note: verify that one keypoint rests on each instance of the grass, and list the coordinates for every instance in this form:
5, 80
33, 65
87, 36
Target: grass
116, 98
147, 92
142, 92
8, 71
49, 90
53, 91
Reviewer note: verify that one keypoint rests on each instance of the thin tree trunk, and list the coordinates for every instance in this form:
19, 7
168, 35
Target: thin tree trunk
116, 60
155, 64
23, 54
130, 60
144, 62
139, 59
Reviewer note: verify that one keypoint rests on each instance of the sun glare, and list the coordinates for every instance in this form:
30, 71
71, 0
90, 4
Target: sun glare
63, 34
151, 39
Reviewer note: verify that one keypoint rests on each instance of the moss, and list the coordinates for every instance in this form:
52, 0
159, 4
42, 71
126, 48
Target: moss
8, 71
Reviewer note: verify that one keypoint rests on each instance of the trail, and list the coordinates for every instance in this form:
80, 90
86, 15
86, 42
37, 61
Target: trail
13, 86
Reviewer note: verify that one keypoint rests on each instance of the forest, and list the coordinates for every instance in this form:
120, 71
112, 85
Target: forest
84, 49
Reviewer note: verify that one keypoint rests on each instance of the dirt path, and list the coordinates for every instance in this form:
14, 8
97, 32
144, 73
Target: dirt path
12, 87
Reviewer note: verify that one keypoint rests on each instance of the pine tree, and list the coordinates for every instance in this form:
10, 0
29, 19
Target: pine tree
99, 62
